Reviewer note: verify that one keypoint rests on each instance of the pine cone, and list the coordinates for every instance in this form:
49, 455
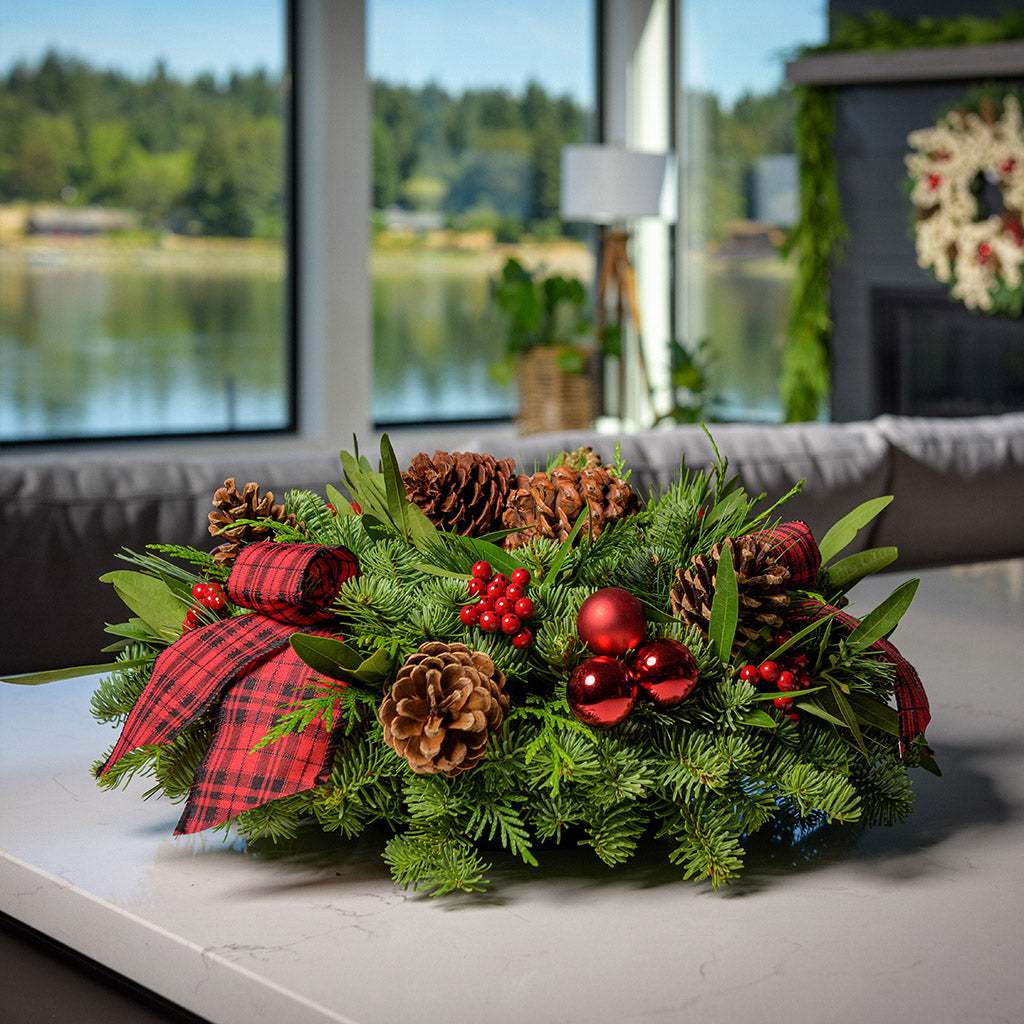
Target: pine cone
760, 579
229, 506
463, 492
548, 504
443, 708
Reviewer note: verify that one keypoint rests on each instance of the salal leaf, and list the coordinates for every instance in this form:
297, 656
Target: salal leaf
335, 659
725, 607
151, 600
881, 621
728, 506
843, 532
408, 518
756, 717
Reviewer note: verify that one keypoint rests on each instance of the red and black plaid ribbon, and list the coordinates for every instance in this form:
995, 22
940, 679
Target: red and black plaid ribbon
798, 551
246, 658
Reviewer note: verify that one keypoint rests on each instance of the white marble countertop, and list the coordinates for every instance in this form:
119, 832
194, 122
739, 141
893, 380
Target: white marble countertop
921, 922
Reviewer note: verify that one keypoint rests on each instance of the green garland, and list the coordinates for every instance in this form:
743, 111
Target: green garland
702, 778
818, 235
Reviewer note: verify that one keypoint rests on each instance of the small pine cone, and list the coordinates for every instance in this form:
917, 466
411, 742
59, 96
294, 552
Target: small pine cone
229, 506
443, 708
548, 504
760, 580
463, 492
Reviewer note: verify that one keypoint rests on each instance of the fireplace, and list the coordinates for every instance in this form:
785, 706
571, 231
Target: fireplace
934, 357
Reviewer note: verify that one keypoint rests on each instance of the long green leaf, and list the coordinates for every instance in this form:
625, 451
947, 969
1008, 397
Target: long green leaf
843, 532
872, 712
563, 551
725, 607
842, 575
881, 621
394, 488
726, 507
56, 674
151, 600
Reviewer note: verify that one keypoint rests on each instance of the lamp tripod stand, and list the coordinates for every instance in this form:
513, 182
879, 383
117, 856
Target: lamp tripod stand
617, 272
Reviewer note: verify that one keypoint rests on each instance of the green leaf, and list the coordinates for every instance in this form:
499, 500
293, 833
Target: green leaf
56, 674
407, 517
756, 717
843, 532
881, 621
563, 551
151, 600
728, 506
842, 575
335, 659
874, 713
342, 506
725, 607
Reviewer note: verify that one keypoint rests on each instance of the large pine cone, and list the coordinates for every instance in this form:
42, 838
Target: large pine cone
443, 708
229, 506
463, 492
548, 504
761, 582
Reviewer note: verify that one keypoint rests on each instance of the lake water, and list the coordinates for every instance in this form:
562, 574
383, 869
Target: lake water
120, 350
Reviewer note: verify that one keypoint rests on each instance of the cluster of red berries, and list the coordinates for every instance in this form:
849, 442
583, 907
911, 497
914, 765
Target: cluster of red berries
207, 595
501, 603
786, 675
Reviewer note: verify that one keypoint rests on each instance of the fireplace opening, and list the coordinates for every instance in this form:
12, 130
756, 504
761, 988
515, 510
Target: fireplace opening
935, 357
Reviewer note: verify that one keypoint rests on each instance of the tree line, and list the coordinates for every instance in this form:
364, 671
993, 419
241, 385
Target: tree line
206, 157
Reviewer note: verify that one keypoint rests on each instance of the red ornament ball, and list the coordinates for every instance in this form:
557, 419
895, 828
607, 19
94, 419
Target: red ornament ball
600, 692
665, 670
611, 621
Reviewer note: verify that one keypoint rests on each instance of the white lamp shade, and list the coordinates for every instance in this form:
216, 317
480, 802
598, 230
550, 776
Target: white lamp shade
605, 184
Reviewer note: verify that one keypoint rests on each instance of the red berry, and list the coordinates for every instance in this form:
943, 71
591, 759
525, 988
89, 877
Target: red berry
199, 590
522, 639
485, 604
804, 680
769, 671
334, 511
192, 620
489, 621
212, 597
786, 681
784, 703
800, 659
782, 637
469, 614
356, 507
481, 571
503, 605
521, 576
496, 588
514, 591
794, 717
475, 586
524, 608
749, 673
511, 623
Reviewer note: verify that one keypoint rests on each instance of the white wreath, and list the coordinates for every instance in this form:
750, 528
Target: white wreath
981, 259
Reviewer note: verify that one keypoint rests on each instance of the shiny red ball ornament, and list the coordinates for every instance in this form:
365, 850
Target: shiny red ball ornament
665, 670
611, 621
600, 692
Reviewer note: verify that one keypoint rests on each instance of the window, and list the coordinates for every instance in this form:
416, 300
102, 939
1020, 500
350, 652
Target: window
143, 220
471, 106
740, 192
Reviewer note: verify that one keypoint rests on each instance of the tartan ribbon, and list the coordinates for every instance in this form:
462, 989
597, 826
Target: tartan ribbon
246, 659
795, 547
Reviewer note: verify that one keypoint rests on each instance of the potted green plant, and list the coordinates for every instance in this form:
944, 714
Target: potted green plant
547, 349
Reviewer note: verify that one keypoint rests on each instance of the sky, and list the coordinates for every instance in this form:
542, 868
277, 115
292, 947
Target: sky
730, 46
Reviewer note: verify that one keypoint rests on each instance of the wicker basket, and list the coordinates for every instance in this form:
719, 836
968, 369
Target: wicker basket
551, 399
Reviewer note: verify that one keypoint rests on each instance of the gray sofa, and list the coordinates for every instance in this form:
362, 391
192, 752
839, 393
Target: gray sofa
958, 484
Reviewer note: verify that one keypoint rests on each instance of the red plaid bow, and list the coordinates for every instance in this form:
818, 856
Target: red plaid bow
249, 660
798, 551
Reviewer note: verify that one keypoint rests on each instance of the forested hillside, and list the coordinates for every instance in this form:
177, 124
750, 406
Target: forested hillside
206, 157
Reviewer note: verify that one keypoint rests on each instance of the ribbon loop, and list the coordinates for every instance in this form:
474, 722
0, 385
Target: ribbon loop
292, 583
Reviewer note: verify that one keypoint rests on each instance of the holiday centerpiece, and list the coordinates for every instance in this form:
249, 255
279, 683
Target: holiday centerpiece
464, 655
967, 178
